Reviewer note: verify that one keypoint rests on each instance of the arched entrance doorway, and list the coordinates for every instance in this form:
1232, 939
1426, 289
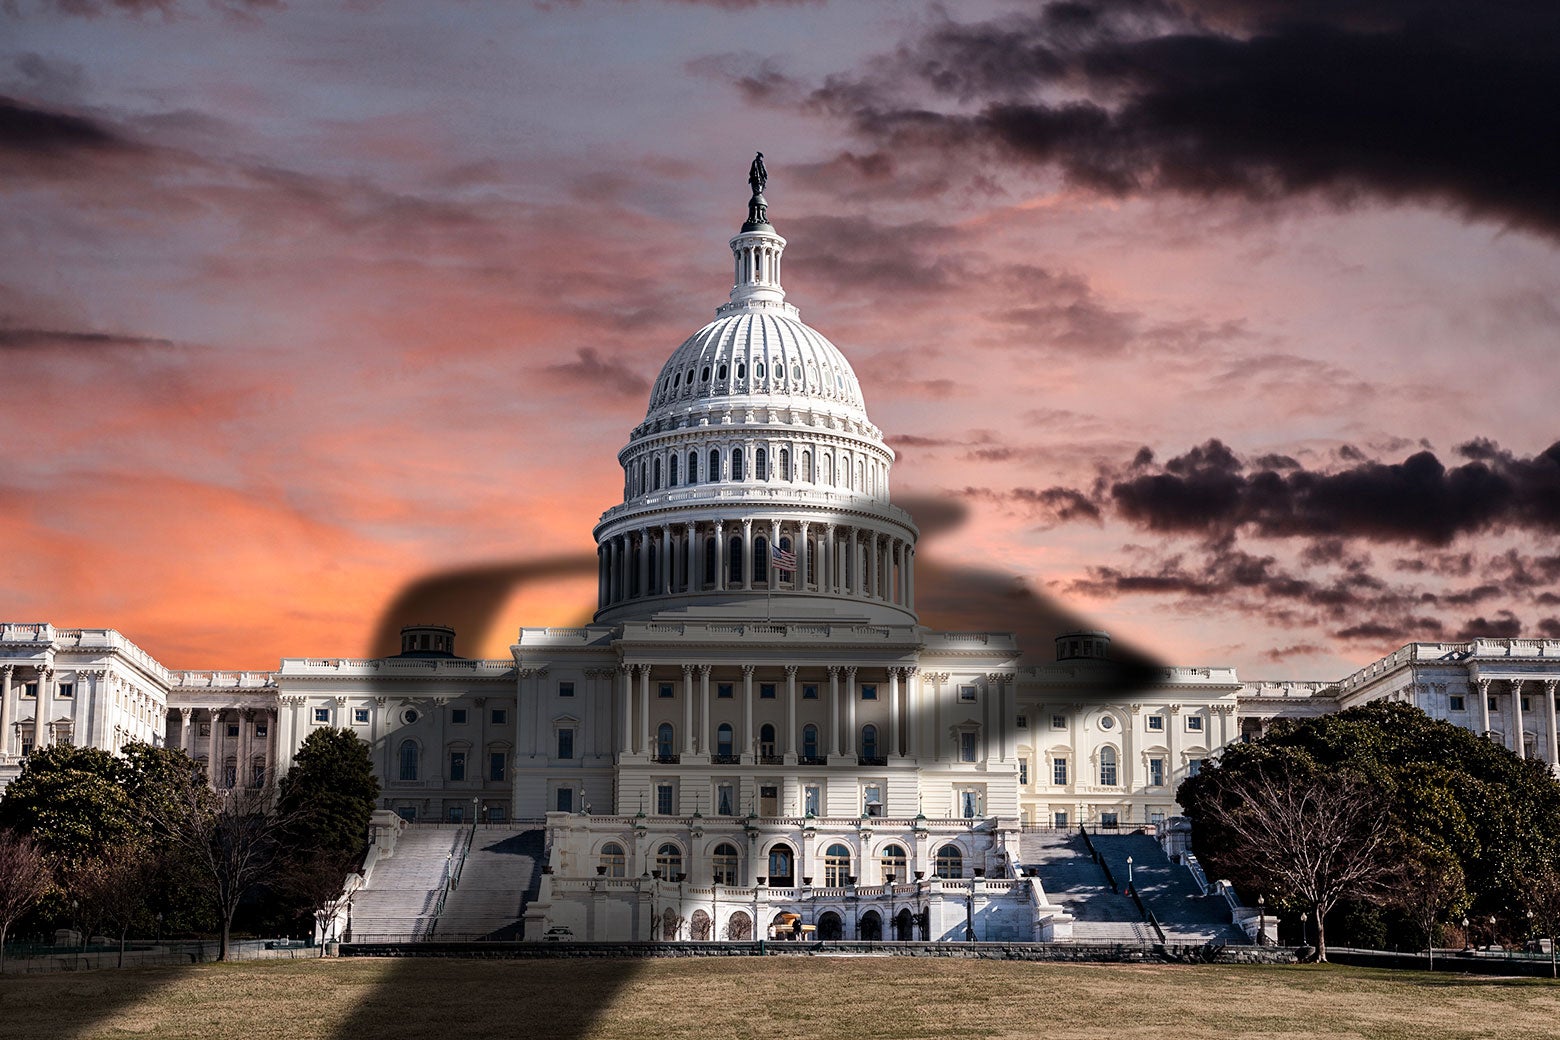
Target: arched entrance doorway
740, 927
904, 926
699, 926
830, 926
871, 927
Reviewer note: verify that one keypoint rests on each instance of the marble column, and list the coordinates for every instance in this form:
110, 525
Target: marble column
803, 558
1514, 740
687, 692
1549, 717
874, 558
788, 748
214, 749
704, 708
747, 711
747, 554
834, 710
851, 748
6, 675
644, 708
910, 578
627, 714
41, 708
895, 747
720, 556
1483, 688
774, 543
187, 731
853, 566
666, 559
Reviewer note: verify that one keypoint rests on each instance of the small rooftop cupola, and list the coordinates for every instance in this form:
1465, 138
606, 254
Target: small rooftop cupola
756, 250
427, 641
1084, 644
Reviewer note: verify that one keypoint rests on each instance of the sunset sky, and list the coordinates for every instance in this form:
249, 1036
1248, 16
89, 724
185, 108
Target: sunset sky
1235, 333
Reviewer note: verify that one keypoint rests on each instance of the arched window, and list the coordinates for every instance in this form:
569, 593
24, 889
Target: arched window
809, 741
741, 370
826, 465
893, 862
734, 560
714, 466
408, 760
782, 866
723, 864
709, 558
671, 472
720, 373
785, 463
766, 740
812, 561
737, 455
613, 859
807, 469
869, 743
861, 480
761, 559
1107, 767
758, 370
836, 866
704, 374
723, 740
668, 860
760, 464
663, 742
950, 862
655, 480
693, 467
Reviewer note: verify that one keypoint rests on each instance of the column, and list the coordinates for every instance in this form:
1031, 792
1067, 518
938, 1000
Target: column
747, 711
913, 711
720, 556
246, 727
601, 576
268, 746
803, 558
872, 571
788, 748
895, 748
614, 568
704, 708
1549, 719
747, 554
6, 675
850, 712
186, 731
644, 708
627, 714
827, 574
852, 566
834, 710
687, 743
910, 579
1172, 735
666, 559
1483, 686
691, 573
41, 708
642, 561
774, 543
214, 749
540, 743
1514, 740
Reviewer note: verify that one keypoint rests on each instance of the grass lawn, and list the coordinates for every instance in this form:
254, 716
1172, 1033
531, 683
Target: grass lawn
711, 998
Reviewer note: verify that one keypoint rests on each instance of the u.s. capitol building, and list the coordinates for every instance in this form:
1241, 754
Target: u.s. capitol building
755, 721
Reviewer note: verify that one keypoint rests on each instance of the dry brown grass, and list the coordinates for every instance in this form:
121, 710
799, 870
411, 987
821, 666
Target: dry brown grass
839, 998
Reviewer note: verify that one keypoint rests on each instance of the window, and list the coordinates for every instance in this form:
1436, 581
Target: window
785, 453
725, 691
1526, 704
1156, 723
868, 692
1194, 724
892, 861
966, 693
360, 715
1058, 721
836, 866
566, 743
1456, 703
810, 741
714, 467
1059, 818
782, 866
671, 471
809, 692
725, 800
1059, 771
766, 740
67, 690
566, 688
668, 860
408, 760
565, 801
1022, 722
499, 716
967, 746
663, 742
496, 763
1494, 704
1107, 767
458, 716
1156, 772
969, 803
693, 467
496, 814
30, 690
410, 716
1110, 820
723, 864
950, 862
230, 775
1193, 766
1023, 772
766, 691
869, 741
664, 690
1107, 722
760, 465
663, 799
27, 746
872, 800
812, 800
737, 457
723, 740
260, 729
457, 765
232, 730
613, 860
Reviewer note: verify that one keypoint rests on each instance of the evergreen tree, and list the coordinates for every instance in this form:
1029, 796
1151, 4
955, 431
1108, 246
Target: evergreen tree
329, 794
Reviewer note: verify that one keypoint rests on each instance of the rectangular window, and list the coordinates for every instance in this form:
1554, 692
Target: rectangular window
457, 765
812, 798
457, 814
966, 693
1110, 820
868, 692
565, 743
1156, 772
969, 804
407, 813
566, 688
232, 730
1023, 772
496, 763
360, 715
1194, 724
967, 747
1526, 704
725, 691
565, 799
1059, 818
725, 800
1156, 723
260, 729
1456, 703
458, 716
1157, 818
1058, 721
495, 814
1193, 766
872, 800
1023, 722
766, 691
663, 799
30, 690
1059, 772
809, 692
664, 690
1493, 705
499, 716
320, 715
68, 690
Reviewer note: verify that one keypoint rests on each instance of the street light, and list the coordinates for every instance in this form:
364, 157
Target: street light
1129, 871
1261, 920
1467, 937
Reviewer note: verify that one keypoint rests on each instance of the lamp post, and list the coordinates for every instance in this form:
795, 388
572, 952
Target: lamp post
1467, 937
1261, 920
1129, 871
1492, 932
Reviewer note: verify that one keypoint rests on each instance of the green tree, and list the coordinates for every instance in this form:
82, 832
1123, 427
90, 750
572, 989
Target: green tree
72, 801
329, 795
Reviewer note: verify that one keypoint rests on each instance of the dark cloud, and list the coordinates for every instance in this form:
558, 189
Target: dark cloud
1446, 103
30, 131
40, 340
1503, 626
589, 370
164, 8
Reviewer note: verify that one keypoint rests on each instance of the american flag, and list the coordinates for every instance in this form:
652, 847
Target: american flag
785, 560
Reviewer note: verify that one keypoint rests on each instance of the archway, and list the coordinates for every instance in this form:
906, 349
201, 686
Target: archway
671, 924
904, 926
739, 928
870, 929
699, 926
830, 926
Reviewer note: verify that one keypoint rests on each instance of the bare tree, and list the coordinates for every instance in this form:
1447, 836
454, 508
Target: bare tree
1432, 887
114, 887
1317, 838
1543, 899
318, 881
24, 879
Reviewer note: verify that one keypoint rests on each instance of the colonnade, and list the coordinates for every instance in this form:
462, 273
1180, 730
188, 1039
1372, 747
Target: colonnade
738, 555
62, 708
1516, 732
252, 747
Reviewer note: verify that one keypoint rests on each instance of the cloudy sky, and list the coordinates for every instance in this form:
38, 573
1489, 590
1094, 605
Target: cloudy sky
1231, 325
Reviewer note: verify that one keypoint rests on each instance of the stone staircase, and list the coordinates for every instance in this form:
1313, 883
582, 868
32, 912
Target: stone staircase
1072, 879
1185, 914
503, 873
398, 901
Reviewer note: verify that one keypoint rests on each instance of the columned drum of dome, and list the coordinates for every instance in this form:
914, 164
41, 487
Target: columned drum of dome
756, 482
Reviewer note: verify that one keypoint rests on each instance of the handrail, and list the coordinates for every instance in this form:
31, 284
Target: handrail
1144, 910
1095, 855
453, 863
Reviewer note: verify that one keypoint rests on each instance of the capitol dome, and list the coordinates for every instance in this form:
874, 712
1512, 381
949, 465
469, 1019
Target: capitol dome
756, 470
